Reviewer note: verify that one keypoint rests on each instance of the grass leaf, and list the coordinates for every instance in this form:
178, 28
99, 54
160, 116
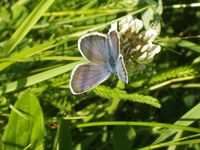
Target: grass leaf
33, 79
26, 26
131, 123
187, 119
123, 137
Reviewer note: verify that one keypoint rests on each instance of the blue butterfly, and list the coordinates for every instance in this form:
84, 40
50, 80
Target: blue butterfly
103, 52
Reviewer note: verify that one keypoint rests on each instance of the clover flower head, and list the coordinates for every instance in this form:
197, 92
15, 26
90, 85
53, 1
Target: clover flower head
136, 46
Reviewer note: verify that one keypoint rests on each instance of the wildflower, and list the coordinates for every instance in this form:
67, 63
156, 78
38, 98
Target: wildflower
125, 24
136, 25
149, 35
135, 45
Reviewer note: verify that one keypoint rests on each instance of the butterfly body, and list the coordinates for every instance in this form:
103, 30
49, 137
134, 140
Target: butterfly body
103, 52
112, 64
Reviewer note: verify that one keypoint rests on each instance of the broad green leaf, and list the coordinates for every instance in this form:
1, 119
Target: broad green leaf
151, 17
147, 16
20, 132
26, 26
123, 137
187, 119
63, 138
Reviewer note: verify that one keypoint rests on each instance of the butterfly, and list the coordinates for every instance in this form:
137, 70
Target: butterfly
103, 52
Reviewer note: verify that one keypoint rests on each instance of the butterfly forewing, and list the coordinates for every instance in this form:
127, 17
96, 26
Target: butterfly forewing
93, 46
114, 43
86, 76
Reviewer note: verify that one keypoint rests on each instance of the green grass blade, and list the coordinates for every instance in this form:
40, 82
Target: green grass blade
172, 143
33, 79
26, 53
17, 111
186, 120
195, 141
45, 58
123, 137
86, 12
26, 26
189, 45
63, 138
147, 124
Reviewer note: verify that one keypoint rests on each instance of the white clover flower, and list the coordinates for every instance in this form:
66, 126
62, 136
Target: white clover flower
136, 25
129, 24
149, 35
126, 20
135, 49
125, 24
143, 56
155, 49
124, 27
145, 48
138, 47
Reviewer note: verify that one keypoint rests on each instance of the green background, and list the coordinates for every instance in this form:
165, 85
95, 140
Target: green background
38, 50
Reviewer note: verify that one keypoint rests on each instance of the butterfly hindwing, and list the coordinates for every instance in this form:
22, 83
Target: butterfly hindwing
121, 70
86, 76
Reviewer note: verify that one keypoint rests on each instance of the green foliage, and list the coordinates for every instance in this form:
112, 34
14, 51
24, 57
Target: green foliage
33, 79
38, 50
123, 137
194, 113
25, 132
26, 26
117, 94
183, 71
63, 138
